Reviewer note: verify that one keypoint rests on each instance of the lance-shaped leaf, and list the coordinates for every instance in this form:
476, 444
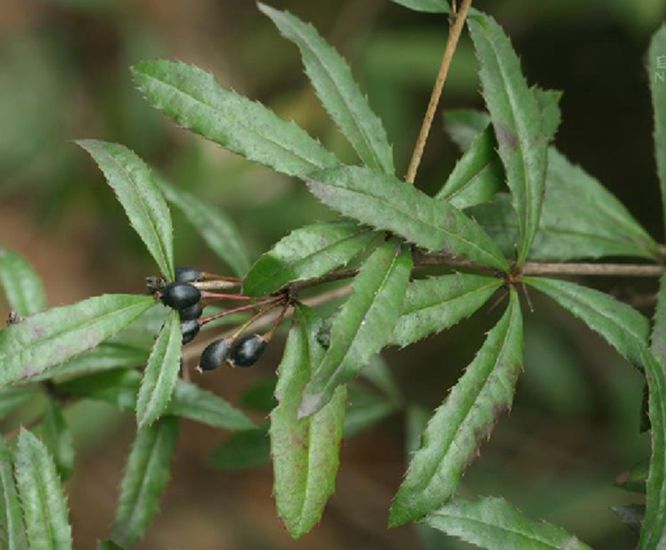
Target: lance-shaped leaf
580, 219
196, 101
332, 79
217, 229
135, 187
477, 176
305, 450
465, 125
308, 252
106, 356
363, 326
23, 287
627, 331
159, 378
12, 530
549, 105
657, 75
58, 439
515, 115
621, 325
42, 498
467, 417
386, 203
47, 339
146, 476
493, 523
438, 303
120, 387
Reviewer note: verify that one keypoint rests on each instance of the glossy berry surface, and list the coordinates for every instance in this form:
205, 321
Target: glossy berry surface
188, 275
189, 329
247, 350
191, 312
180, 295
215, 354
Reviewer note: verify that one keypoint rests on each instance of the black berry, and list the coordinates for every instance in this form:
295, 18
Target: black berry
188, 275
215, 354
189, 329
247, 350
191, 312
180, 295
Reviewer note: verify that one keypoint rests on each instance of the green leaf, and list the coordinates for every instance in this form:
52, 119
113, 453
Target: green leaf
137, 191
580, 219
196, 101
146, 476
42, 498
217, 229
438, 303
516, 118
247, 449
47, 339
332, 79
305, 253
363, 326
477, 176
493, 523
657, 77
58, 439
463, 421
192, 402
621, 325
627, 331
549, 105
106, 356
465, 125
159, 378
23, 287
305, 450
428, 6
189, 401
12, 530
387, 203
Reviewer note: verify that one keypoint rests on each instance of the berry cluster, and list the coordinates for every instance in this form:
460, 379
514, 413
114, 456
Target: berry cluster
192, 291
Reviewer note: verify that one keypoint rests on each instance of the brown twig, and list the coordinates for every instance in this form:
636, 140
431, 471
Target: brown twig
451, 43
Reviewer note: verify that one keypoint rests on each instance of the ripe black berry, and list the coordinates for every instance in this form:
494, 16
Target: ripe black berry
191, 312
215, 354
188, 275
247, 350
180, 295
189, 329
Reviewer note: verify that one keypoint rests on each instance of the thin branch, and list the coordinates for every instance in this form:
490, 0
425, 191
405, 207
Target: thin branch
597, 270
449, 50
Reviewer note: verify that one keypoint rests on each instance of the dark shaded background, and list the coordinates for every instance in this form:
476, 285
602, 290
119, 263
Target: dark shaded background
63, 76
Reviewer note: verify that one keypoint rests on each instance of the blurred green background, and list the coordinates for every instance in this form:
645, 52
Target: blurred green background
64, 75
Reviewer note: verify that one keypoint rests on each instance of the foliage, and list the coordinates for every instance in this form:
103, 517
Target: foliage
483, 235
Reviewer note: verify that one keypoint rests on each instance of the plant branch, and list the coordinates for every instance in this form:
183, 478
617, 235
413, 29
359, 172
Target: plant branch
451, 44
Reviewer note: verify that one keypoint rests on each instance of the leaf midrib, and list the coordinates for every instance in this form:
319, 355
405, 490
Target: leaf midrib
238, 121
